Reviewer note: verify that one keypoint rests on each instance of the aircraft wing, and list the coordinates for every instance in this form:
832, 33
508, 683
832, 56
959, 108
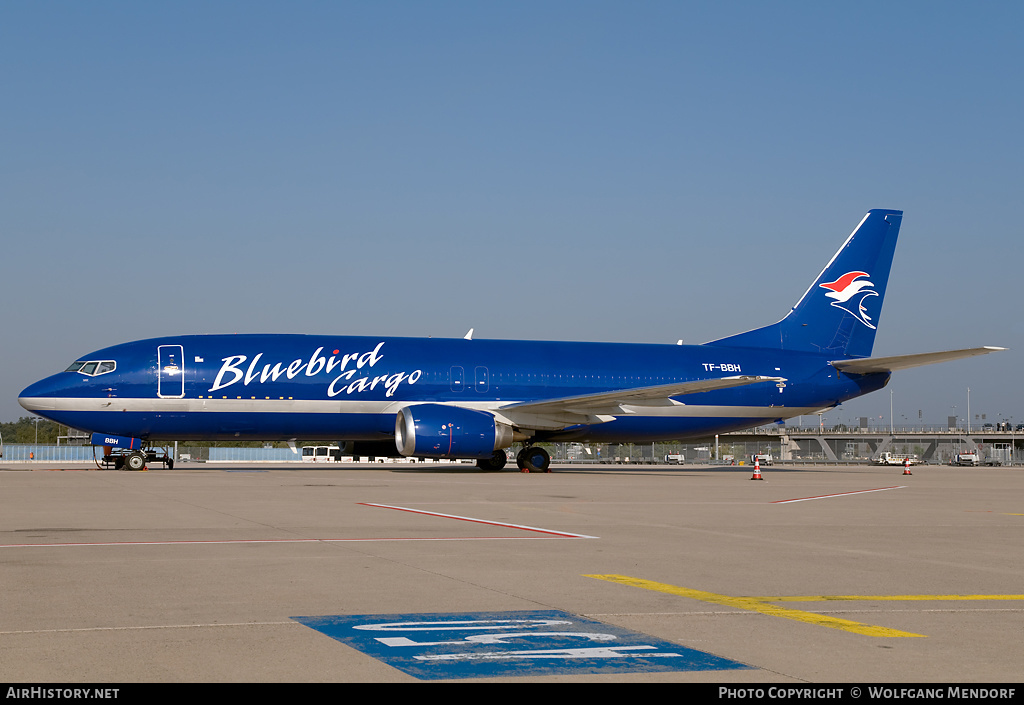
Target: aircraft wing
603, 406
869, 365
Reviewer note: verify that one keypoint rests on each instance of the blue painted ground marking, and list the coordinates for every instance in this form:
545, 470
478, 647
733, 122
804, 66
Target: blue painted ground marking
494, 644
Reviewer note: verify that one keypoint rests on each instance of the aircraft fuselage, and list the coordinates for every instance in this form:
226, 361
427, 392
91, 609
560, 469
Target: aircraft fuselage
279, 387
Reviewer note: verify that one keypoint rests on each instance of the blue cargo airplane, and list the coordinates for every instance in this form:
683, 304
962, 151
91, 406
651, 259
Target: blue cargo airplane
465, 398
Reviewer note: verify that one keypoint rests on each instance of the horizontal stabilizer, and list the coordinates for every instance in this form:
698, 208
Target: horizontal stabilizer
870, 365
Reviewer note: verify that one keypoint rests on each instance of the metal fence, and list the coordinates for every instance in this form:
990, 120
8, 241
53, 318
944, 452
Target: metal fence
649, 453
24, 452
248, 455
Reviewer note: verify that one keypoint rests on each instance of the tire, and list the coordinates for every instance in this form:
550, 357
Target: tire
535, 459
495, 462
135, 461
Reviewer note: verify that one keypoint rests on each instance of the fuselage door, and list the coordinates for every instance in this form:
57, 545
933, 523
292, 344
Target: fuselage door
170, 372
483, 381
457, 378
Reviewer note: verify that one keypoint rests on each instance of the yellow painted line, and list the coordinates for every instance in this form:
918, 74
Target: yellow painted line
757, 604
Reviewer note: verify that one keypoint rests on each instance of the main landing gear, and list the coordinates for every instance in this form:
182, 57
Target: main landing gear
533, 459
529, 459
494, 463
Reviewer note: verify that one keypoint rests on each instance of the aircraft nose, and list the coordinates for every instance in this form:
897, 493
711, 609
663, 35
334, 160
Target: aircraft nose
42, 395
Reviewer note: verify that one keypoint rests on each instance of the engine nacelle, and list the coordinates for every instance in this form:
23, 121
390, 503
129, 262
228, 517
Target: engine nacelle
440, 431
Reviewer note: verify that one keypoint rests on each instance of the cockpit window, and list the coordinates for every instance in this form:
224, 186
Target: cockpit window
92, 368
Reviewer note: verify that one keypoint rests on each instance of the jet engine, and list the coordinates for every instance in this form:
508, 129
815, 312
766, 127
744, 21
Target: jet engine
440, 431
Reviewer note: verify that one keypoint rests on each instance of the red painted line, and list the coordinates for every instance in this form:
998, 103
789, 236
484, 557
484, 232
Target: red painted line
238, 541
840, 494
480, 521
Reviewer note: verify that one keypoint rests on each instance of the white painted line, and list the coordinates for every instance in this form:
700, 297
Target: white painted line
840, 494
482, 521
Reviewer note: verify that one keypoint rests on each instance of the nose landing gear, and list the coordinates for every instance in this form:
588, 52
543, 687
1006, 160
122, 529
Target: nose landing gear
134, 460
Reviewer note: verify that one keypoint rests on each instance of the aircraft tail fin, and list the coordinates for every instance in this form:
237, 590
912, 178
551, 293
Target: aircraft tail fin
839, 313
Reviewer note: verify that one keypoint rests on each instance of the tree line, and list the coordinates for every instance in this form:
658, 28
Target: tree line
24, 430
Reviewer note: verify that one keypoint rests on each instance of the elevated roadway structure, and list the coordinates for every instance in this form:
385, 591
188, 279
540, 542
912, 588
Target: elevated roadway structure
838, 443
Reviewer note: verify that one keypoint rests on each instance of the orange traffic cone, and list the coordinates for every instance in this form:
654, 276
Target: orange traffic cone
906, 467
757, 470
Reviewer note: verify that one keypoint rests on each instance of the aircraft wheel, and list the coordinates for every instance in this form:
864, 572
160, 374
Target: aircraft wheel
495, 462
135, 461
534, 459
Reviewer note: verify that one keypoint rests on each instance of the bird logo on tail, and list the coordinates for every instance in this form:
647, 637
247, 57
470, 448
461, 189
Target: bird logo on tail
849, 292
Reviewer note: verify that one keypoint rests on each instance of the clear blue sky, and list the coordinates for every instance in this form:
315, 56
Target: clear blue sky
615, 171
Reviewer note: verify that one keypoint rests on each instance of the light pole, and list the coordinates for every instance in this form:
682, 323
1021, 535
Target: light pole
1009, 420
968, 411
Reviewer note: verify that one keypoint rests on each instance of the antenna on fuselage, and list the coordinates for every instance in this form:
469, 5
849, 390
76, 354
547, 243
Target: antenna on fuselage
469, 335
